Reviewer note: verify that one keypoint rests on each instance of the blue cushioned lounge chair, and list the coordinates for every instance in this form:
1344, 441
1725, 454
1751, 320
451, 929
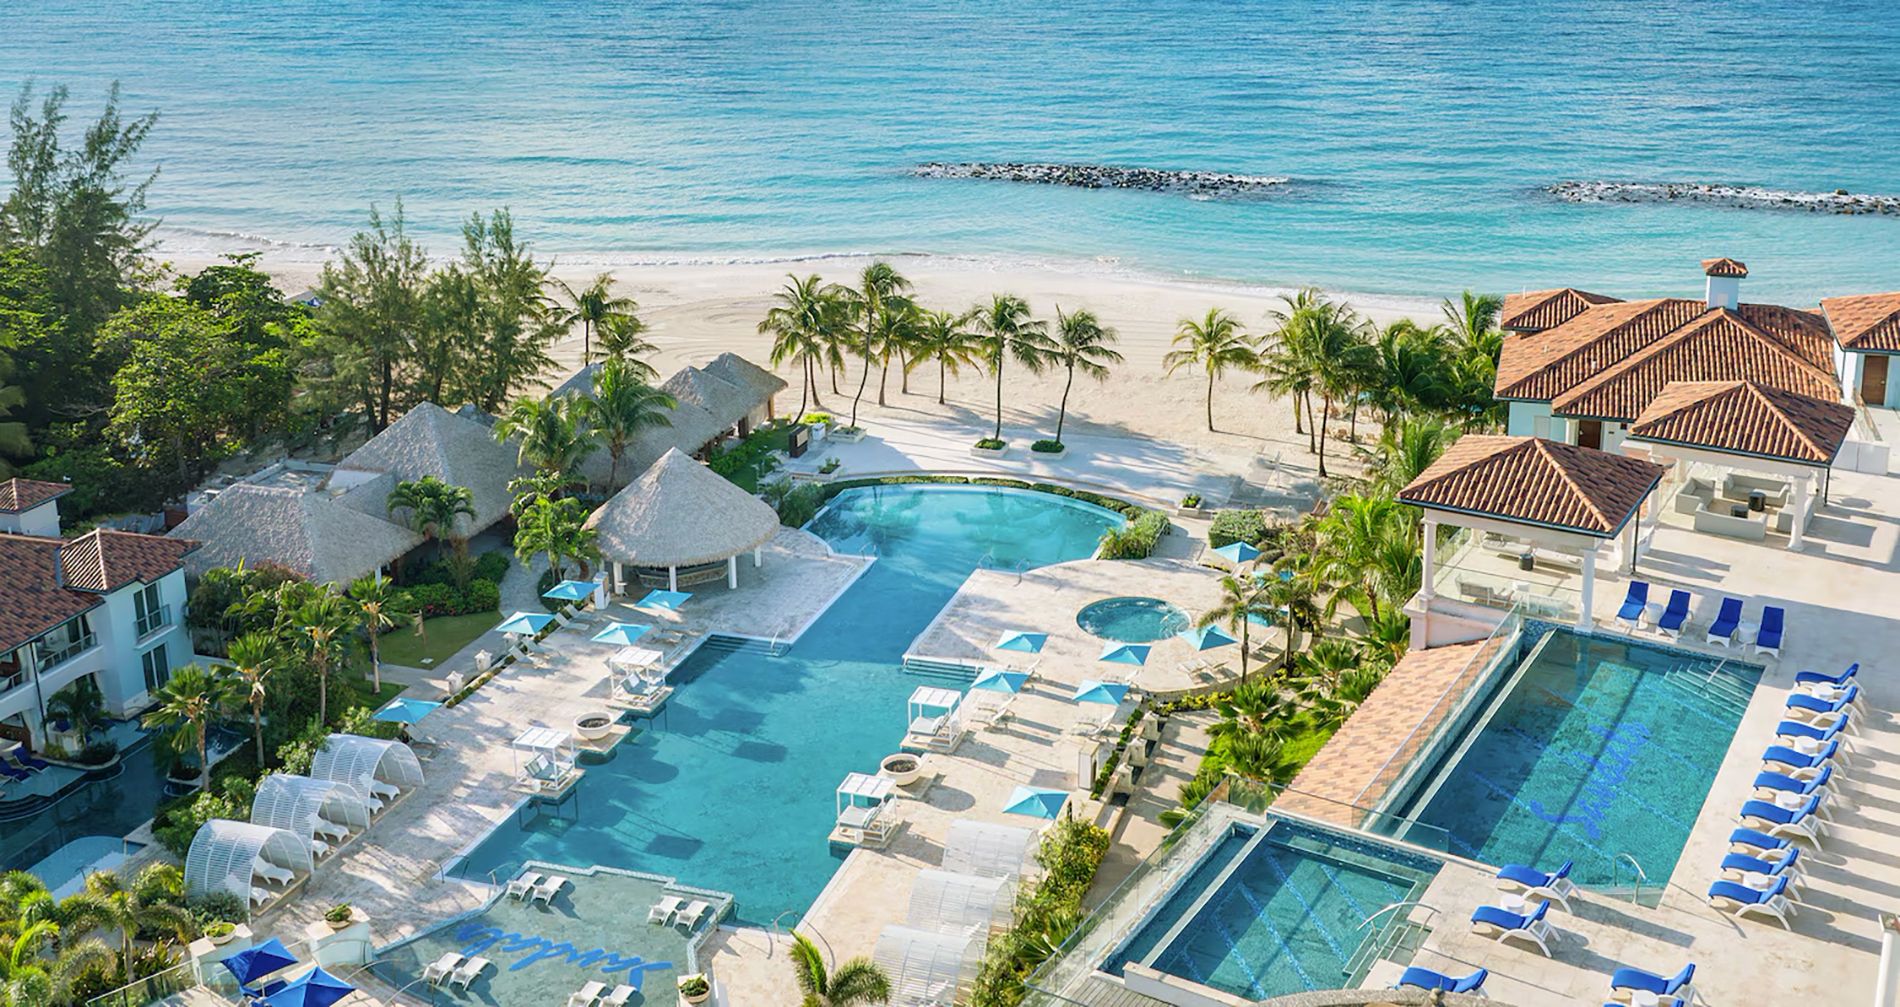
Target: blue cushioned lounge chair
1633, 602
1795, 729
1820, 712
1815, 677
1502, 925
1674, 614
1627, 980
1742, 900
1799, 765
1728, 619
1535, 884
1426, 979
1741, 864
1802, 823
1768, 638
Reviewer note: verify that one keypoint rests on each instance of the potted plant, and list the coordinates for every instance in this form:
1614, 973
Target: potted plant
831, 465
845, 435
339, 916
989, 447
1191, 505
695, 988
593, 726
1049, 449
221, 932
902, 768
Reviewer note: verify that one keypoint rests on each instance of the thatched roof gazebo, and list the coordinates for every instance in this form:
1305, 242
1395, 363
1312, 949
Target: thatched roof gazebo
681, 517
310, 534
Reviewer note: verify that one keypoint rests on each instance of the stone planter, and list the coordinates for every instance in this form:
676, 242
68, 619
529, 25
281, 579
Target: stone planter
843, 435
903, 768
977, 452
593, 726
1195, 511
694, 998
1049, 456
222, 939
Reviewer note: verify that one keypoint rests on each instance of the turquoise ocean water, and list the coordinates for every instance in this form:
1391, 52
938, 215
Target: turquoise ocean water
1416, 134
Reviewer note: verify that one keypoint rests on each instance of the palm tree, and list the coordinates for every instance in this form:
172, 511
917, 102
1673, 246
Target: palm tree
325, 622
620, 339
375, 601
1473, 320
1368, 549
80, 705
946, 339
592, 306
253, 657
621, 407
1243, 602
1336, 678
1327, 339
895, 332
186, 704
37, 969
559, 529
1213, 343
801, 326
551, 437
1291, 591
1081, 343
153, 902
1407, 448
1407, 369
857, 981
878, 284
1254, 709
1007, 331
433, 507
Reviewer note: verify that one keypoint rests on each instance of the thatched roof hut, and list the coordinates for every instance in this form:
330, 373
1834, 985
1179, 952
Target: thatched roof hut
459, 450
679, 513
308, 533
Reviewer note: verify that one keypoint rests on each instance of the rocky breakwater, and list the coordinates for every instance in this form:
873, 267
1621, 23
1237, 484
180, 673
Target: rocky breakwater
1103, 176
1741, 197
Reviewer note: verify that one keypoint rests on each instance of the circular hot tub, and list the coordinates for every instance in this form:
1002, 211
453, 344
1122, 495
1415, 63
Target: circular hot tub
1132, 619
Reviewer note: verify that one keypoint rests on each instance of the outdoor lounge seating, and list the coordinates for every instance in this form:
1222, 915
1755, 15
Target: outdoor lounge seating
1796, 731
663, 911
1778, 783
1800, 823
1741, 900
1425, 979
1635, 600
1801, 765
523, 883
619, 997
1727, 620
1820, 712
271, 872
1625, 981
1816, 678
1535, 884
467, 972
1768, 637
693, 915
1675, 613
586, 996
1850, 694
1501, 924
1758, 844
440, 969
547, 889
1741, 865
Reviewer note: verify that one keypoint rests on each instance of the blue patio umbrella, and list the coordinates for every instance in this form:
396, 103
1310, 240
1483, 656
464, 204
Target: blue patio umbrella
318, 989
572, 590
1238, 552
259, 960
524, 623
1125, 653
669, 600
1016, 639
1106, 693
403, 710
1036, 802
1208, 637
998, 680
622, 633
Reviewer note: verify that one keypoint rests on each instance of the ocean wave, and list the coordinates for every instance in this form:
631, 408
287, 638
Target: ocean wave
1741, 197
1107, 176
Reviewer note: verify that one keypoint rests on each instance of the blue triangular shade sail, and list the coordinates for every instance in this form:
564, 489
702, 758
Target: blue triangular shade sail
1207, 637
1028, 643
1125, 653
572, 590
669, 600
259, 960
622, 633
403, 710
1106, 693
1036, 802
998, 680
522, 623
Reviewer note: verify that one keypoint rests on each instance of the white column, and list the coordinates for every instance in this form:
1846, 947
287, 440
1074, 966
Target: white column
672, 578
1803, 499
1587, 618
758, 556
1887, 985
732, 572
1431, 558
620, 579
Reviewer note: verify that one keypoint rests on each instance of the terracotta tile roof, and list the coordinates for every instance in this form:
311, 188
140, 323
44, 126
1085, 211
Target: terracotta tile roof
104, 560
1743, 417
1865, 321
33, 595
1536, 310
18, 495
1535, 481
1373, 747
1721, 345
1543, 366
1724, 267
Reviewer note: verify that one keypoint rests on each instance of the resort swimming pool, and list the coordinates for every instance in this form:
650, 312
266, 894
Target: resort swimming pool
1595, 748
1132, 619
1277, 910
731, 786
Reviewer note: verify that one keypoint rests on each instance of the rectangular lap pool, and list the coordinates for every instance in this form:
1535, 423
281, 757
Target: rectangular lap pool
1276, 910
1593, 749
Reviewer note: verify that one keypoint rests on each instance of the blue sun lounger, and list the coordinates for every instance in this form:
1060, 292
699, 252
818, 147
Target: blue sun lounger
1535, 884
1816, 708
1784, 783
1506, 925
1802, 823
1426, 979
1742, 863
1816, 678
1797, 729
1633, 602
1742, 900
1728, 619
1768, 638
1628, 980
1674, 614
1797, 764
1760, 842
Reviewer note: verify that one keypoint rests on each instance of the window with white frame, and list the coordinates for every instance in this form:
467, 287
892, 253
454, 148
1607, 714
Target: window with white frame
157, 666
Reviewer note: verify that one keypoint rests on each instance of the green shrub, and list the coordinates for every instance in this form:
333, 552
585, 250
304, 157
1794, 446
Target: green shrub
800, 504
483, 595
1046, 914
1191, 500
1046, 446
992, 444
97, 753
1137, 539
434, 599
1231, 526
491, 566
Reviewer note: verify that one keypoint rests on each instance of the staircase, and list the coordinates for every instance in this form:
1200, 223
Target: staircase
946, 673
720, 643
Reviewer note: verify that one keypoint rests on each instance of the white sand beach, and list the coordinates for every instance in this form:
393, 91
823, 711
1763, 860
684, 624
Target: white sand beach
697, 310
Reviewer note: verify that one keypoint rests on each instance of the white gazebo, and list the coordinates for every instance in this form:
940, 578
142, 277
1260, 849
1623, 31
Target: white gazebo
544, 760
863, 803
957, 903
230, 856
927, 967
685, 520
323, 812
380, 769
986, 849
1535, 511
933, 719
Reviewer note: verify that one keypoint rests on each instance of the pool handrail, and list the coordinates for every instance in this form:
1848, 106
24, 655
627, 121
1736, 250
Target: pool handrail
1616, 870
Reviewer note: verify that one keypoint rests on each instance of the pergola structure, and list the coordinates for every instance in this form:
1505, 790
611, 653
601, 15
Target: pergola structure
986, 849
682, 518
1553, 501
374, 767
927, 967
947, 901
311, 808
224, 855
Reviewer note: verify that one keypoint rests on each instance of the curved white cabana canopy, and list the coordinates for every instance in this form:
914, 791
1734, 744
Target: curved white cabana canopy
224, 854
927, 967
364, 762
296, 803
986, 849
954, 903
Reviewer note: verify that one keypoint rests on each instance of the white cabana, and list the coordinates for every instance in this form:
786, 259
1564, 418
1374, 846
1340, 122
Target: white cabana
862, 803
379, 769
225, 856
317, 810
549, 763
986, 849
934, 719
927, 967
954, 903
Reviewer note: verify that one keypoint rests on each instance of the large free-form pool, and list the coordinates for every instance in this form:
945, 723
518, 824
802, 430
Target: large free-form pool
732, 787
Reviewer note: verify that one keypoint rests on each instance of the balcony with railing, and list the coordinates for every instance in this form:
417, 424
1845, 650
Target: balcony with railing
57, 650
153, 620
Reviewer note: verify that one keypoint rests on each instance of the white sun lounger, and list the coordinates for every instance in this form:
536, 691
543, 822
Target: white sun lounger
547, 889
439, 969
466, 972
664, 910
259, 896
695, 913
384, 790
519, 887
619, 997
587, 995
330, 830
271, 872
319, 848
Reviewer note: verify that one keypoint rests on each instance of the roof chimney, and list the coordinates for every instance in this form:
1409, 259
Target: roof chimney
1725, 282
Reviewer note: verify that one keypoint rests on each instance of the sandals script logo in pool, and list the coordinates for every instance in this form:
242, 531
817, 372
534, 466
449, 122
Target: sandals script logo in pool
539, 949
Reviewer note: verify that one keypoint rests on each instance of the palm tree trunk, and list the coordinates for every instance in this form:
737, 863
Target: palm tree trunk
940, 376
903, 373
834, 379
1243, 648
1307, 397
375, 661
323, 694
1063, 412
1352, 425
883, 375
863, 380
587, 340
1210, 400
257, 730
1326, 407
1297, 423
804, 392
999, 396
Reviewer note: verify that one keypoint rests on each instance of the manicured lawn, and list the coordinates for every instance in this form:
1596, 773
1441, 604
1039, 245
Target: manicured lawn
446, 634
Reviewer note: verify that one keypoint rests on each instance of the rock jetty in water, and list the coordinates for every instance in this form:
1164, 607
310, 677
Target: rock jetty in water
1103, 176
1742, 197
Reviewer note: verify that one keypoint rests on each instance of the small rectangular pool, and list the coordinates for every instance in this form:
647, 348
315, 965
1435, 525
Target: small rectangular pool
1277, 910
1592, 748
